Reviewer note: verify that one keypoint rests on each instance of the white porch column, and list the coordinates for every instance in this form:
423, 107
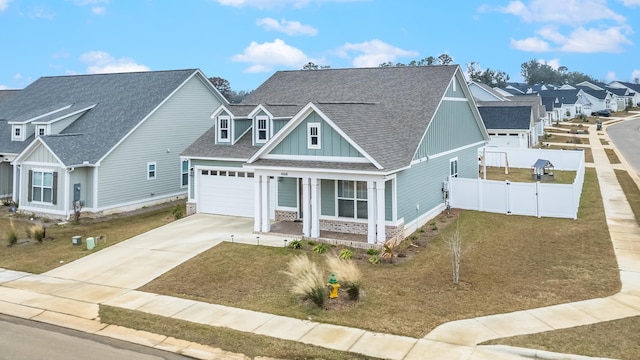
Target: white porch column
264, 202
380, 207
257, 204
371, 212
306, 216
315, 209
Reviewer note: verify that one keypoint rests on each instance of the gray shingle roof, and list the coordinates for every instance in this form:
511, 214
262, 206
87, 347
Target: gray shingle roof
122, 102
384, 110
506, 117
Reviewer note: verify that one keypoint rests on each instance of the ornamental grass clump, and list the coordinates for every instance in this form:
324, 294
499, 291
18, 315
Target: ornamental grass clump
307, 278
12, 235
348, 274
37, 231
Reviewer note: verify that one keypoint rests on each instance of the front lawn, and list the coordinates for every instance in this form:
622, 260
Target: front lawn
513, 263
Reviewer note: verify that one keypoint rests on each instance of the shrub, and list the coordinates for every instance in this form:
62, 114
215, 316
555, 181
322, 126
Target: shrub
295, 244
307, 280
374, 259
345, 254
37, 231
12, 236
321, 248
178, 211
372, 251
348, 275
389, 249
311, 243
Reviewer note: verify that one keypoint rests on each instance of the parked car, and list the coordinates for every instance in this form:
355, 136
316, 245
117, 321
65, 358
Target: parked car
604, 112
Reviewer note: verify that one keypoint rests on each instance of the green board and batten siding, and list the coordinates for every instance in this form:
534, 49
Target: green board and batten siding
160, 139
240, 127
287, 192
332, 144
6, 179
328, 197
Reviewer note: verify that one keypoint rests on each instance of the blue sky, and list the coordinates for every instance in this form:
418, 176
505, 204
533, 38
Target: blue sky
245, 41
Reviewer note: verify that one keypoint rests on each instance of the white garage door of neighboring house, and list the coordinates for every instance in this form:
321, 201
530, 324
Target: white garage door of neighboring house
228, 192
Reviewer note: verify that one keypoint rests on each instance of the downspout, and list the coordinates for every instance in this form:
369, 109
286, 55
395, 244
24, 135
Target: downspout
66, 189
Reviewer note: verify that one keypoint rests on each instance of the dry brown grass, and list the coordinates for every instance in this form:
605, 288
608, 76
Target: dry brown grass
514, 263
526, 175
56, 249
613, 157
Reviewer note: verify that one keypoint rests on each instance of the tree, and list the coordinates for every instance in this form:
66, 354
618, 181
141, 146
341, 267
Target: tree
223, 86
445, 59
489, 77
457, 249
535, 72
313, 66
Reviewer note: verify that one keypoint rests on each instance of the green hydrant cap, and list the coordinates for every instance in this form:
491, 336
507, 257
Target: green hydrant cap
332, 279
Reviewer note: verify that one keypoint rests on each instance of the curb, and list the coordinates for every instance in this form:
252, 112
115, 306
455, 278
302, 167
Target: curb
538, 354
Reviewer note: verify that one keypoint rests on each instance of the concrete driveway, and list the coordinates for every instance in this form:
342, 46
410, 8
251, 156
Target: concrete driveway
135, 262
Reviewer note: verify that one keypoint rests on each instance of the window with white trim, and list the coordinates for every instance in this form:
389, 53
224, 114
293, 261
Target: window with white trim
352, 199
313, 136
17, 133
453, 167
184, 171
42, 186
224, 129
262, 129
151, 170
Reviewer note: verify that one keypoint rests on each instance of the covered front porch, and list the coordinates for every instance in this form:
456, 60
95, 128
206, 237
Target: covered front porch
329, 205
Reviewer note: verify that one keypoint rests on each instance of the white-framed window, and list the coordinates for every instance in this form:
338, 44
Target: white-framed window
352, 199
17, 133
151, 170
41, 130
453, 167
42, 186
184, 172
313, 136
224, 129
262, 129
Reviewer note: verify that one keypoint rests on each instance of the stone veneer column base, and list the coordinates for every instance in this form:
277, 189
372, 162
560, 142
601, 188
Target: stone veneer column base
284, 215
192, 208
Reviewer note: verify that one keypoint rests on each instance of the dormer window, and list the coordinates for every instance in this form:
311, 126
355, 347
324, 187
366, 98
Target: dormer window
41, 130
262, 129
224, 129
313, 136
17, 133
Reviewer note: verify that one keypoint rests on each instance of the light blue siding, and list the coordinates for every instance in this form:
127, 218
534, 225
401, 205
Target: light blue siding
388, 200
453, 126
161, 138
455, 90
420, 186
287, 192
328, 197
84, 177
332, 143
240, 127
278, 124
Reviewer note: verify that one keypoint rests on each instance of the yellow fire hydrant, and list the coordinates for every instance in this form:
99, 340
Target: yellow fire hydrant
333, 286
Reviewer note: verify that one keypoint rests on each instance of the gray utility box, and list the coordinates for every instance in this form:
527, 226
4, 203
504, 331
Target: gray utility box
76, 240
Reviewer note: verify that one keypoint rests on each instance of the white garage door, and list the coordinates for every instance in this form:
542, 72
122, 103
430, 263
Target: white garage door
225, 192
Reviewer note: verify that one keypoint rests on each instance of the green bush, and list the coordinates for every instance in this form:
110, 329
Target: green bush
295, 244
178, 211
321, 248
345, 254
374, 259
372, 251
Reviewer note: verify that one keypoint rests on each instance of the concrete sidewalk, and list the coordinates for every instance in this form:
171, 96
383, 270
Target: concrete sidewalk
70, 296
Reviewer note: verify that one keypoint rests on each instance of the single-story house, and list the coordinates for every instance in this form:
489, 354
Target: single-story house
103, 142
364, 151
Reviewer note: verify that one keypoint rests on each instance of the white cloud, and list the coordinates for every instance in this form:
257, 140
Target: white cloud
595, 40
264, 57
635, 75
264, 4
100, 62
532, 44
4, 4
611, 76
288, 27
373, 53
570, 13
17, 76
631, 2
99, 10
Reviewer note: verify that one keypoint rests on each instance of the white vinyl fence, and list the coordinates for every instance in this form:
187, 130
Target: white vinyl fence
532, 199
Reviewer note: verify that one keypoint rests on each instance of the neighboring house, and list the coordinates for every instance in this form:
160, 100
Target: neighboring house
633, 90
484, 92
108, 142
363, 151
509, 126
565, 104
6, 172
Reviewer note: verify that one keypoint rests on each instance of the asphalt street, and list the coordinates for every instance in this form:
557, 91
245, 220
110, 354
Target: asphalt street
626, 136
27, 340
